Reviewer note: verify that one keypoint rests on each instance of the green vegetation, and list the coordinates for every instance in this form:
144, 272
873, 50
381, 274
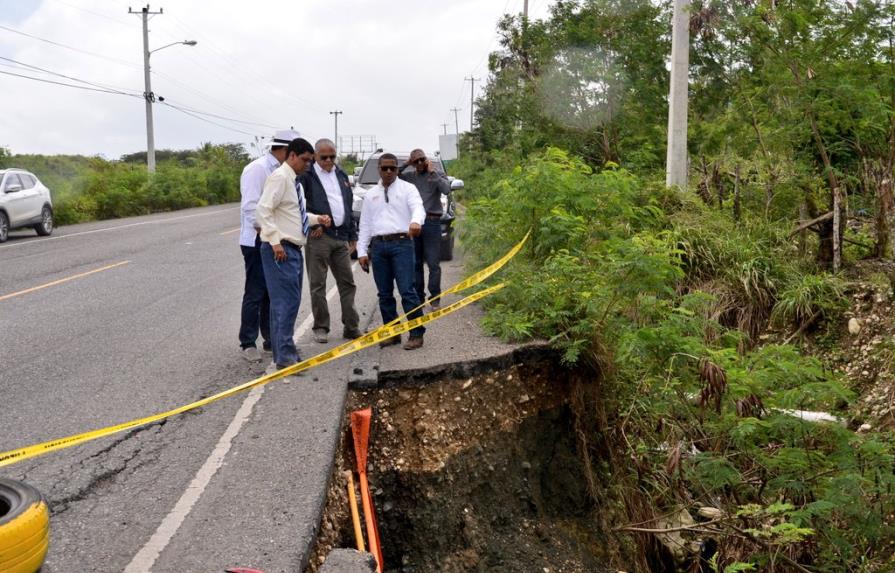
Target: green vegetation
678, 302
91, 188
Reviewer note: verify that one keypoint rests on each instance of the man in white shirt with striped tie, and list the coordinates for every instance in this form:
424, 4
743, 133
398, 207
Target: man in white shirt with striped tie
285, 226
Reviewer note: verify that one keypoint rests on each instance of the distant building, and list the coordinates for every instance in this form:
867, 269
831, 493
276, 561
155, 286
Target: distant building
447, 146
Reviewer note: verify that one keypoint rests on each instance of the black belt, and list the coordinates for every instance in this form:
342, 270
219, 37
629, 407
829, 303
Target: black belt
291, 244
432, 216
392, 237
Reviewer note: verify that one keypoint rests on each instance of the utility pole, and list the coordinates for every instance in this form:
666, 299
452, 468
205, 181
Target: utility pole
676, 159
336, 115
525, 12
456, 121
147, 93
444, 125
472, 82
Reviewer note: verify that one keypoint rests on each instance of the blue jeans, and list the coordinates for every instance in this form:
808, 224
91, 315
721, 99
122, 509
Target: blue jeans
255, 302
428, 250
393, 263
284, 287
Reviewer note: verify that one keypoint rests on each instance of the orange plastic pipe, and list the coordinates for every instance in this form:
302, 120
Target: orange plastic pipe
355, 514
360, 430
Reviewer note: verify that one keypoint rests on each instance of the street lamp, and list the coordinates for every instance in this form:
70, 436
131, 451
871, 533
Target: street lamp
185, 43
149, 96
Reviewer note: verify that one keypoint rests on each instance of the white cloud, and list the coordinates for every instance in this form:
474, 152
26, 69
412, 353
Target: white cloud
394, 68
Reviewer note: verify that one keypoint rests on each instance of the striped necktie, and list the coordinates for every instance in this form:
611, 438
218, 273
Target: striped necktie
305, 225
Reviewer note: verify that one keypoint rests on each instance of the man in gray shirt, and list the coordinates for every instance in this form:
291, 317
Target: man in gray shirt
431, 185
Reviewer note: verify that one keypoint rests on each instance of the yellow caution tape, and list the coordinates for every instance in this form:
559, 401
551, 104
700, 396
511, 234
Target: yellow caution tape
384, 332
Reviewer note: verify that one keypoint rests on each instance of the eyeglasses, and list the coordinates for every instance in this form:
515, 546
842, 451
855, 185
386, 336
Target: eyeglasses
327, 157
388, 167
419, 160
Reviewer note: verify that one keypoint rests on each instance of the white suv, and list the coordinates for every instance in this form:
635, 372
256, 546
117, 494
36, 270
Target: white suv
24, 202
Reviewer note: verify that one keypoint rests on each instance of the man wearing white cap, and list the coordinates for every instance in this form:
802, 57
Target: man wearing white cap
255, 299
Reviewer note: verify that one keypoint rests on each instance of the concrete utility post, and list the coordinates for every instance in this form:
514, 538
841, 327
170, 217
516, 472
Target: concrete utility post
147, 90
145, 13
676, 159
444, 126
457, 127
335, 115
472, 82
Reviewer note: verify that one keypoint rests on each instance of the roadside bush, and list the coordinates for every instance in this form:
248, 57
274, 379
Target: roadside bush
90, 188
664, 301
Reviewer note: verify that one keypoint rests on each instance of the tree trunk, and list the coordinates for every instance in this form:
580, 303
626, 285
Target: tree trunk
830, 239
803, 234
736, 193
837, 228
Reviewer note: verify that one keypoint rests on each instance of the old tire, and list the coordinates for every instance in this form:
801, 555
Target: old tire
45, 227
24, 528
4, 227
447, 249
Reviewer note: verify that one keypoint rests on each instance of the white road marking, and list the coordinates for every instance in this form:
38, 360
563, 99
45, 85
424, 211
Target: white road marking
149, 553
117, 227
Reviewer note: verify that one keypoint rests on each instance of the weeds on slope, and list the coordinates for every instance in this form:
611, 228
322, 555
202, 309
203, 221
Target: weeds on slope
665, 301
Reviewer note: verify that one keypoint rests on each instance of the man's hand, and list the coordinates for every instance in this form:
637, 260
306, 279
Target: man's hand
352, 246
325, 220
415, 230
279, 253
317, 233
364, 263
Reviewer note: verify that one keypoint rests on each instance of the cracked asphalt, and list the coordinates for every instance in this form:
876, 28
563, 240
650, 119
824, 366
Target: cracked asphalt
142, 337
155, 331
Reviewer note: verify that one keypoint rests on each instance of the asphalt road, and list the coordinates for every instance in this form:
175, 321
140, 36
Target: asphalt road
110, 321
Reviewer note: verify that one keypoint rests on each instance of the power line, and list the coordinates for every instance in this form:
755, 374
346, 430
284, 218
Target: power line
115, 60
66, 46
98, 14
46, 81
211, 99
247, 72
200, 118
123, 91
168, 101
188, 111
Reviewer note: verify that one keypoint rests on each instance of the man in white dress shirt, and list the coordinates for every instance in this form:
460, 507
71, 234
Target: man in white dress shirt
285, 226
391, 216
328, 192
255, 301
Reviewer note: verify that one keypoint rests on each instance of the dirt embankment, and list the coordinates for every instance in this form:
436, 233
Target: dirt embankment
473, 474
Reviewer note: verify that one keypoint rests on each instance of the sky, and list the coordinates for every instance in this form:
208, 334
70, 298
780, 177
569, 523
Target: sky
395, 69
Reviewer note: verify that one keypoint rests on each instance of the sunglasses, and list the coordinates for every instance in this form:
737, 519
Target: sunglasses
419, 160
388, 167
327, 157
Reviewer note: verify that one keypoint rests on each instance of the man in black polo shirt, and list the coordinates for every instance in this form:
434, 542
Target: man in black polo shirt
328, 192
431, 185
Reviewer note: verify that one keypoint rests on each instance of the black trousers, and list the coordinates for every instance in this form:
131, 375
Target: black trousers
255, 300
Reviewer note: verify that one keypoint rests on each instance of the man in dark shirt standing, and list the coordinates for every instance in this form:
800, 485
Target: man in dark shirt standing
431, 185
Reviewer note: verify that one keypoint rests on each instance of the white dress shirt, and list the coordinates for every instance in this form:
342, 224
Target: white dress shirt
251, 183
333, 194
279, 211
405, 206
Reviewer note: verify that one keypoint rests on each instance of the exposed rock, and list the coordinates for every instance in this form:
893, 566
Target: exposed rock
854, 326
710, 512
679, 547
